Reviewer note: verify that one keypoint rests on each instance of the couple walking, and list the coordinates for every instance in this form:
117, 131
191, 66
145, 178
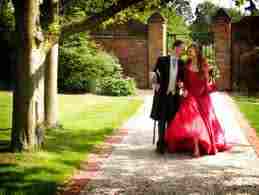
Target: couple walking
182, 104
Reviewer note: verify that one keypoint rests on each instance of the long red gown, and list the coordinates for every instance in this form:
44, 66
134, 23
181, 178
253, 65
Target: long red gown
196, 119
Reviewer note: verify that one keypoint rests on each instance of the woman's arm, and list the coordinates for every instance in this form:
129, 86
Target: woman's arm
205, 70
210, 87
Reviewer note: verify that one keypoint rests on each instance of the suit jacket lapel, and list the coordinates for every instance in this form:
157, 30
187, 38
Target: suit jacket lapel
168, 62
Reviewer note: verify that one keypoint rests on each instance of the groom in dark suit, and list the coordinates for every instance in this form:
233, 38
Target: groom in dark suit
167, 81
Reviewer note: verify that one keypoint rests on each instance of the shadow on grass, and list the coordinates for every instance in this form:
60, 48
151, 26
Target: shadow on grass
4, 146
251, 99
63, 145
70, 140
5, 129
13, 181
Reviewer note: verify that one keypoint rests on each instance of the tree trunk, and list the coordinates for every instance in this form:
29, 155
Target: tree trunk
51, 88
28, 91
28, 101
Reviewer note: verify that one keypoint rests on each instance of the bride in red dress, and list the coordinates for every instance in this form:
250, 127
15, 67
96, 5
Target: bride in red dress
195, 127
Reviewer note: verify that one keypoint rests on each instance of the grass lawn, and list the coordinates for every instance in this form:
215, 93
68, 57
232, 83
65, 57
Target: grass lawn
86, 120
250, 107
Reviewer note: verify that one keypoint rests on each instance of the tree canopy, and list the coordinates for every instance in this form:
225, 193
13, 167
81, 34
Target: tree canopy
204, 13
139, 11
251, 6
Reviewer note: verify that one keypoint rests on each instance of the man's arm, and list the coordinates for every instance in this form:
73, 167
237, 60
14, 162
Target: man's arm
180, 75
156, 76
156, 72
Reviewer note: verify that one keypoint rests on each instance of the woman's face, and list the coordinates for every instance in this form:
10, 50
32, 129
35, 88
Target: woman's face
191, 52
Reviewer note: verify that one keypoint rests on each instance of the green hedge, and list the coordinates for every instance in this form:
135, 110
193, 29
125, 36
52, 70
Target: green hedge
116, 86
85, 68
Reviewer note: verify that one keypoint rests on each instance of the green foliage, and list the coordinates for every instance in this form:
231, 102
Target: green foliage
209, 53
116, 86
249, 106
6, 110
214, 72
54, 28
83, 66
180, 7
7, 43
240, 2
140, 11
175, 23
235, 14
7, 20
251, 7
204, 14
78, 9
200, 27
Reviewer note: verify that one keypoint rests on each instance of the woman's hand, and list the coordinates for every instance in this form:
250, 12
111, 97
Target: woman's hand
185, 93
211, 87
180, 84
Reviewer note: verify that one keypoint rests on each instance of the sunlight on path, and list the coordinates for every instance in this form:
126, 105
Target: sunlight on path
134, 168
227, 118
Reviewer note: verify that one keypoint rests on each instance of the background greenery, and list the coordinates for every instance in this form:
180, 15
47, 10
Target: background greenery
250, 107
85, 68
7, 43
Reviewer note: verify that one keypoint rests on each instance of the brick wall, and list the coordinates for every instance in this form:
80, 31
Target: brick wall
237, 48
132, 53
245, 53
137, 46
222, 40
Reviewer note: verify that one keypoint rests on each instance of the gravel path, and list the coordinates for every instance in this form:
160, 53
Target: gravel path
133, 168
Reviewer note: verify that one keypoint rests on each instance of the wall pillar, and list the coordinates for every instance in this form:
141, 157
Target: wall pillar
221, 28
157, 34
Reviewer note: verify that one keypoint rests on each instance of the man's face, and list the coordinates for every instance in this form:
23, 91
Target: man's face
179, 49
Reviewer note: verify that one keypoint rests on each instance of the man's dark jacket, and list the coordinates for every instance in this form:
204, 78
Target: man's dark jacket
166, 105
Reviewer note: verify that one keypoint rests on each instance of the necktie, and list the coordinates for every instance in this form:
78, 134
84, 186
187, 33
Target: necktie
172, 75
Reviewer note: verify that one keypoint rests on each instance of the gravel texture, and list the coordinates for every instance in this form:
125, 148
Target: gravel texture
134, 168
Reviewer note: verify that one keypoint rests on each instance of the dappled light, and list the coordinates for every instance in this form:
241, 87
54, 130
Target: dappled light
74, 73
84, 126
134, 167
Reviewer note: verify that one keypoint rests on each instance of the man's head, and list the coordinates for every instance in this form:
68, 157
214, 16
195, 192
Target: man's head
178, 47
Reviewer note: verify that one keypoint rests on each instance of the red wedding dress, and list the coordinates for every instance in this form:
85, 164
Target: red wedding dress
196, 119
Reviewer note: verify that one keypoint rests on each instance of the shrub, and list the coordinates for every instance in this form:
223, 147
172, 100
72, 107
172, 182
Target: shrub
81, 64
72, 75
7, 43
7, 19
84, 68
116, 86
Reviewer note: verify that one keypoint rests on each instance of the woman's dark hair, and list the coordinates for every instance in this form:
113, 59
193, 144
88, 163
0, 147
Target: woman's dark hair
177, 43
200, 59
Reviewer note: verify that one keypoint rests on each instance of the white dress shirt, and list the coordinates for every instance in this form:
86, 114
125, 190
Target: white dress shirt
172, 74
